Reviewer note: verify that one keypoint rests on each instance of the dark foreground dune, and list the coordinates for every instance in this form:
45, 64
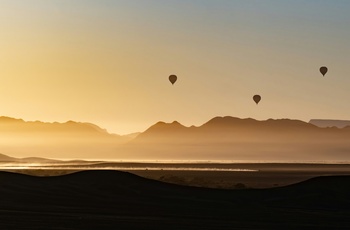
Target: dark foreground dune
120, 200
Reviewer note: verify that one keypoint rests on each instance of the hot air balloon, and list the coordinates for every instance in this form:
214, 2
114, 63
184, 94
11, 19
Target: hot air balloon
323, 70
257, 98
172, 79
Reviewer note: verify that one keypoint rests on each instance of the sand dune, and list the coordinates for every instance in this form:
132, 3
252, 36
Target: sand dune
120, 200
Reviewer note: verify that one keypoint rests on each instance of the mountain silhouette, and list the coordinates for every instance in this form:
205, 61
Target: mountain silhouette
330, 123
5, 159
71, 139
230, 138
231, 125
221, 138
12, 125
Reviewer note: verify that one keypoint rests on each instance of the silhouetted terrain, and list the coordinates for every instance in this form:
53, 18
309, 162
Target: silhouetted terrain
118, 200
323, 123
7, 159
229, 138
55, 140
221, 138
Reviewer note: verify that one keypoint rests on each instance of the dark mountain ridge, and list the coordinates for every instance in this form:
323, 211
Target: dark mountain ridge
235, 129
233, 124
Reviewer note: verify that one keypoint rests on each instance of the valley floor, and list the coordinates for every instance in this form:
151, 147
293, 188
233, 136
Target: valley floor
258, 175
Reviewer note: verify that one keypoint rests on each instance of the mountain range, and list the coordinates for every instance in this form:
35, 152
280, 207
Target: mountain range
7, 159
55, 140
221, 138
330, 123
229, 138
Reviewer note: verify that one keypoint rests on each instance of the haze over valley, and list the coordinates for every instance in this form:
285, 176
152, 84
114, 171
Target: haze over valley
221, 138
177, 114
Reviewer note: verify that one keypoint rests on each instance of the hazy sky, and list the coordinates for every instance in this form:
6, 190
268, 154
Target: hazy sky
108, 62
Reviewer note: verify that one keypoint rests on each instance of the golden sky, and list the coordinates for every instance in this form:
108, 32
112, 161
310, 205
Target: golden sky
108, 62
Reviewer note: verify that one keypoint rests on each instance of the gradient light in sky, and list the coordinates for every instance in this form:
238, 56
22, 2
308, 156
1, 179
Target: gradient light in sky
108, 62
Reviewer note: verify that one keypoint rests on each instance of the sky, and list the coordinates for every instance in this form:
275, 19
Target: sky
108, 62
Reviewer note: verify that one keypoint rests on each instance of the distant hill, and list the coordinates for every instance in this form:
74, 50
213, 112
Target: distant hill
221, 138
4, 159
330, 123
12, 125
56, 140
230, 138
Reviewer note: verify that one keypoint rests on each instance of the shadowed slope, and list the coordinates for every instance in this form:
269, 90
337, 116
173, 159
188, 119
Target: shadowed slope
327, 193
113, 199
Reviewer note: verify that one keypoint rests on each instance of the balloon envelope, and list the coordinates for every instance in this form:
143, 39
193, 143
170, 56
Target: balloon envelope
257, 98
323, 70
172, 79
